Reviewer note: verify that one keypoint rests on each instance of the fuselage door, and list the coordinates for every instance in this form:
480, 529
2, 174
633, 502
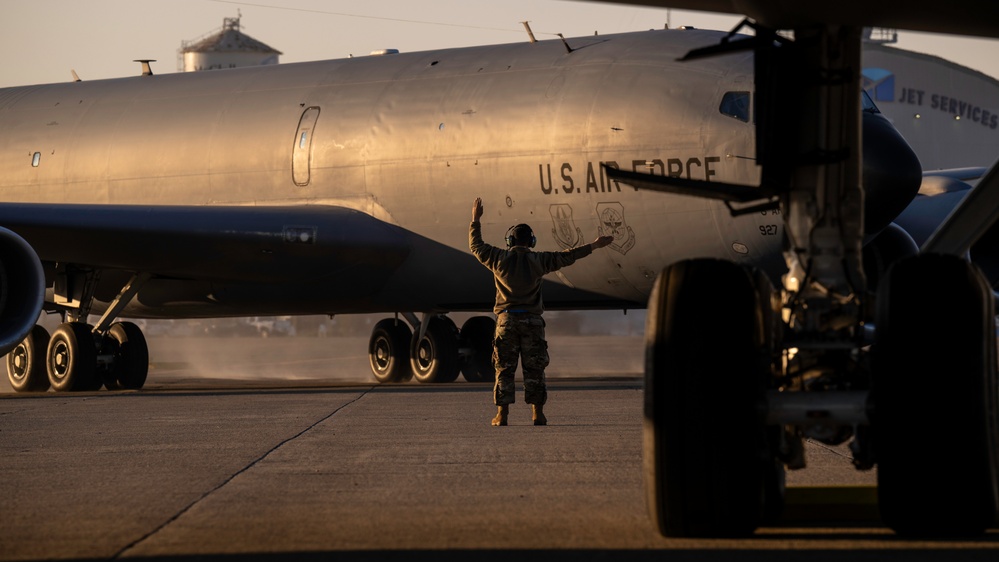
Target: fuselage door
302, 159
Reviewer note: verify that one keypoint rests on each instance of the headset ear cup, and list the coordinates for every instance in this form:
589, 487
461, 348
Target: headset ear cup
518, 234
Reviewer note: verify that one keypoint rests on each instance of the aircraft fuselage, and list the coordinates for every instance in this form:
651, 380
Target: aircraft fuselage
408, 140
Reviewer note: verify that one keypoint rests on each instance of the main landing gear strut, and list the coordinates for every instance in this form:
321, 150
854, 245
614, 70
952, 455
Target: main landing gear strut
436, 352
78, 356
739, 375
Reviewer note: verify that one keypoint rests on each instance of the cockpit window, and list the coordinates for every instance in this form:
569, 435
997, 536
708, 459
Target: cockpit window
735, 104
867, 104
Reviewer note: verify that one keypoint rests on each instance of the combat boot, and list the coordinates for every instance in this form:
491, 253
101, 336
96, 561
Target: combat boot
501, 415
538, 414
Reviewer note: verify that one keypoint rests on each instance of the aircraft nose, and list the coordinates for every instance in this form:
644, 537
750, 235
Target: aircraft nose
891, 174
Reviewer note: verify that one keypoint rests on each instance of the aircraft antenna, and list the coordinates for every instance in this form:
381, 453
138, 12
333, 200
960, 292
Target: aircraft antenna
568, 49
146, 69
527, 26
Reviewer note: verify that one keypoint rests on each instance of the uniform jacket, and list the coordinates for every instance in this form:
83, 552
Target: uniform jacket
518, 270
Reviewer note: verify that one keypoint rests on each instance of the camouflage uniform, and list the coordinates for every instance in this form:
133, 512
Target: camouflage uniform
520, 334
520, 330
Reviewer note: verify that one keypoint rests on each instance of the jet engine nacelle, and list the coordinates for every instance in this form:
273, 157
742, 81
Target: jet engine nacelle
890, 245
892, 173
22, 289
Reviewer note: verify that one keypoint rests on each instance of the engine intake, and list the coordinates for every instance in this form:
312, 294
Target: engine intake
22, 289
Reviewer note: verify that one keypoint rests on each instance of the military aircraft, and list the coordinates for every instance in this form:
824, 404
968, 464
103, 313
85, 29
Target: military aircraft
343, 186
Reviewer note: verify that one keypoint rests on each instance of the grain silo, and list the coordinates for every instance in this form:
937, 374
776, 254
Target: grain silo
225, 48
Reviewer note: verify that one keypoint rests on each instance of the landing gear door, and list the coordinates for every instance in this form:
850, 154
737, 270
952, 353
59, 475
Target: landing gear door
302, 155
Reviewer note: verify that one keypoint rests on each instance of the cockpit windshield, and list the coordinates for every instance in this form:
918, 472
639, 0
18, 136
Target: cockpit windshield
735, 104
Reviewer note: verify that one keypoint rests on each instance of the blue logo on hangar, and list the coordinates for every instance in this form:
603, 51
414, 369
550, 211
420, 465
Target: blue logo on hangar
879, 84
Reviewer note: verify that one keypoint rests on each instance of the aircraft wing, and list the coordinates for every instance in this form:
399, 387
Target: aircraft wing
259, 244
958, 17
970, 220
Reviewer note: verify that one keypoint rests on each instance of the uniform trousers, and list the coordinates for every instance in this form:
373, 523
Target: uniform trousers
520, 336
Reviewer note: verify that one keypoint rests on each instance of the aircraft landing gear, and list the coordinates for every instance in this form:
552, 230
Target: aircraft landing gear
26, 362
436, 354
74, 358
71, 359
709, 465
716, 424
129, 356
79, 356
935, 385
388, 351
476, 343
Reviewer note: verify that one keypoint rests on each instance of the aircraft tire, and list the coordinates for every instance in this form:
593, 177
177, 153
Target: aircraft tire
388, 351
707, 461
26, 362
434, 357
477, 333
71, 358
934, 385
107, 372
131, 357
775, 477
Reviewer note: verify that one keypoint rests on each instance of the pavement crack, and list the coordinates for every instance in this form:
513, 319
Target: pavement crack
233, 476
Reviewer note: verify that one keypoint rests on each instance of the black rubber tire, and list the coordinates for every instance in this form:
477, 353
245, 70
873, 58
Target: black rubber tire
434, 357
388, 351
26, 362
131, 357
477, 334
708, 463
775, 477
935, 419
71, 358
108, 346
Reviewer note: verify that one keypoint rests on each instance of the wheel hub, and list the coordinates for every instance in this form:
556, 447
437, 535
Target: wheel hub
425, 354
61, 359
18, 362
381, 354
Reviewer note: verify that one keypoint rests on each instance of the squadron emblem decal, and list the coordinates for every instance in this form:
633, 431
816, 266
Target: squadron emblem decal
566, 233
611, 216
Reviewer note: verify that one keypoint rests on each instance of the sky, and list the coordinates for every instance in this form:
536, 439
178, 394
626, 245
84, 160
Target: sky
43, 40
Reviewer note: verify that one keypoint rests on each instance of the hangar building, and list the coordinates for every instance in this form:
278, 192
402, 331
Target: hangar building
948, 113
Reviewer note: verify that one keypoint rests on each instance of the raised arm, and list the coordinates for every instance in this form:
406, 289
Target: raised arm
477, 209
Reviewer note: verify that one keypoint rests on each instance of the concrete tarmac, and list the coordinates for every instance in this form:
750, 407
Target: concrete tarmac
285, 467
